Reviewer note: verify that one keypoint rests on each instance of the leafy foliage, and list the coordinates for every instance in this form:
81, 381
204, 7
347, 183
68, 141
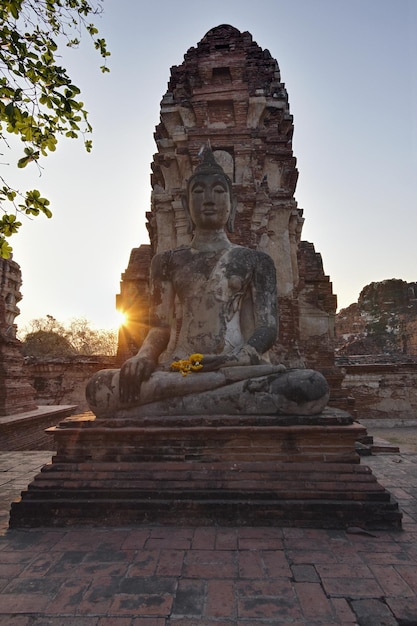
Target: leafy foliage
44, 343
38, 100
47, 337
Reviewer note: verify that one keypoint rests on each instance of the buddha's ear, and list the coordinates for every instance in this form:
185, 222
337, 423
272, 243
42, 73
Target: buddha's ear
231, 221
184, 201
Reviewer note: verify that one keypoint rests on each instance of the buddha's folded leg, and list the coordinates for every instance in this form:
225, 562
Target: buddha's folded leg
163, 388
295, 392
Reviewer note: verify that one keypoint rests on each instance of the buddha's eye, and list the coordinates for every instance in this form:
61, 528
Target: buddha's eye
219, 189
198, 189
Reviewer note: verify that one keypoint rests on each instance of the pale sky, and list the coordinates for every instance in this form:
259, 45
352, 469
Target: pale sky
350, 69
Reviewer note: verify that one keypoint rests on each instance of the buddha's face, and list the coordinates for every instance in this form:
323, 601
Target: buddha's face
209, 201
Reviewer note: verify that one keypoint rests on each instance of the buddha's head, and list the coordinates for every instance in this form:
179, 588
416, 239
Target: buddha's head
209, 203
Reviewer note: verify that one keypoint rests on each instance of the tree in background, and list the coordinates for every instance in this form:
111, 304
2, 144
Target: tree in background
47, 337
38, 100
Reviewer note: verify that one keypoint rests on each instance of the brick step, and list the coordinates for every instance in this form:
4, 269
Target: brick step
277, 471
169, 481
203, 492
186, 512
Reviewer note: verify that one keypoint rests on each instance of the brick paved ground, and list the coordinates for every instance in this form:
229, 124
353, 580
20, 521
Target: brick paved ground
157, 576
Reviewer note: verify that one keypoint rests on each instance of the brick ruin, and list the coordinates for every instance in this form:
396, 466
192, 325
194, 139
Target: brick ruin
16, 394
228, 91
376, 348
382, 321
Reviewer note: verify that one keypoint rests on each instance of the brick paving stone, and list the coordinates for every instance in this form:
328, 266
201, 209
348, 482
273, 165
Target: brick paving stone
343, 570
250, 564
136, 539
352, 587
168, 537
404, 609
276, 564
11, 556
267, 600
210, 564
221, 601
272, 533
373, 613
91, 569
409, 574
310, 556
11, 570
87, 539
189, 598
204, 538
170, 563
152, 604
260, 543
305, 573
347, 553
69, 597
313, 601
226, 539
272, 610
343, 611
391, 581
23, 603
144, 563
33, 540
62, 563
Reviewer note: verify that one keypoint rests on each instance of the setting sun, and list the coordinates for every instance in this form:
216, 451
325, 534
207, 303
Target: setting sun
121, 318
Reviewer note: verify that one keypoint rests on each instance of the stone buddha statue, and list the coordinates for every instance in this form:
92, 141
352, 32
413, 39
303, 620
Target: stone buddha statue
225, 296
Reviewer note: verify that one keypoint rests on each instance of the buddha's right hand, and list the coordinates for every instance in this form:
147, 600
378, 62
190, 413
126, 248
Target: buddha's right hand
132, 374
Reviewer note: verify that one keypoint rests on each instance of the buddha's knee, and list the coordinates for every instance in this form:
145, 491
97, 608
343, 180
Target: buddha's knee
102, 392
301, 386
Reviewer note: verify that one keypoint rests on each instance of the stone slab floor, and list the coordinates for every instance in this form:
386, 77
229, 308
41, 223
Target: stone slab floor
159, 576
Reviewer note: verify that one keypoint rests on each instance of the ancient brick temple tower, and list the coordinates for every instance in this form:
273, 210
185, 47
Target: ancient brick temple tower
228, 91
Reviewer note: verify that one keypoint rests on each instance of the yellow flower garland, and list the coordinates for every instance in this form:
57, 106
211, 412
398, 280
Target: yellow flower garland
185, 366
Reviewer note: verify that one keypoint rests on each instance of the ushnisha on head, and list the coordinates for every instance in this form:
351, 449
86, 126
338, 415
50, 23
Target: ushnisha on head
207, 176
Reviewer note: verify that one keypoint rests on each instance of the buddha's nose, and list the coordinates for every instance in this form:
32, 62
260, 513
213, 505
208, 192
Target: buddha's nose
208, 196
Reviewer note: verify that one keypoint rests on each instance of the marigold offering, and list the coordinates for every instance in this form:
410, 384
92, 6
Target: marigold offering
185, 366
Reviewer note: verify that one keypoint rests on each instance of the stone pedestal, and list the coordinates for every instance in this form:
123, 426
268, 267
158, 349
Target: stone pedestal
228, 470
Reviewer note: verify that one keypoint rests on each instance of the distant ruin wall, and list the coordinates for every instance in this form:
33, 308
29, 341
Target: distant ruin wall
63, 381
383, 391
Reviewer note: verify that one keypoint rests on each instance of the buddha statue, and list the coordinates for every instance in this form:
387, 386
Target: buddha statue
225, 296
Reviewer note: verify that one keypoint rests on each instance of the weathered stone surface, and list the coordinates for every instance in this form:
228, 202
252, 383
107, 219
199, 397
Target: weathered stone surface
228, 91
213, 313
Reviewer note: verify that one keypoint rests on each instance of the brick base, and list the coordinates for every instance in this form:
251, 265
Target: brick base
230, 470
